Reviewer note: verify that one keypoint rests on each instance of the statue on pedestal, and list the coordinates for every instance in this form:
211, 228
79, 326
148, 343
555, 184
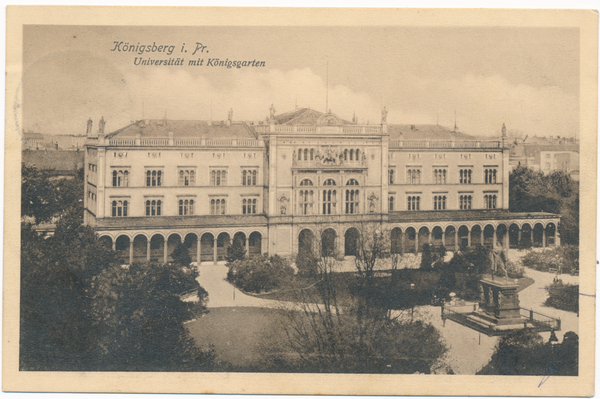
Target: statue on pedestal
499, 259
384, 113
272, 111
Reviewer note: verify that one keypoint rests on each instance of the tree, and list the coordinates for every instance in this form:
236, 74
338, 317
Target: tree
38, 197
531, 191
432, 257
140, 317
181, 255
523, 352
358, 335
235, 251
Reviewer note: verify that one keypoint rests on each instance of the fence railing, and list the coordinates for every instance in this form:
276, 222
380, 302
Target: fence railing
444, 144
184, 141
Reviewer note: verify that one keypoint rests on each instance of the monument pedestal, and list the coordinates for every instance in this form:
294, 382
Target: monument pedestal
499, 305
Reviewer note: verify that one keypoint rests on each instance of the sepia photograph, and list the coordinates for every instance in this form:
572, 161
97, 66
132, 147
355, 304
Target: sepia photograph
381, 204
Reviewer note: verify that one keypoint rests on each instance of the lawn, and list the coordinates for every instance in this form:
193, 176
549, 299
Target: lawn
245, 338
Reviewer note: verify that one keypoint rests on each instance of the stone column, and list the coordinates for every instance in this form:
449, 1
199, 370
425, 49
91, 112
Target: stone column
494, 239
166, 250
114, 244
215, 250
455, 240
130, 252
198, 250
519, 237
247, 246
416, 242
444, 238
482, 242
148, 249
543, 237
531, 234
469, 231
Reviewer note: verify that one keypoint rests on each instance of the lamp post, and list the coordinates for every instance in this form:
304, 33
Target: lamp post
412, 301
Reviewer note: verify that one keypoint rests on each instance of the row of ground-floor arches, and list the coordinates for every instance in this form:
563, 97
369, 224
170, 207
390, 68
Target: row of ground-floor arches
413, 239
209, 248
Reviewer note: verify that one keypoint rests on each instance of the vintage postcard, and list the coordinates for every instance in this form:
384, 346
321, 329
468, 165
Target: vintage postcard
300, 201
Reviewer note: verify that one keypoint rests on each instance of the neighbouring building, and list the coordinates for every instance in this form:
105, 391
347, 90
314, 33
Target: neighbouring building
276, 184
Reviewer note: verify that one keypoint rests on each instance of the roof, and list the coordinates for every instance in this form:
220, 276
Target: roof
427, 132
185, 128
465, 215
167, 222
302, 116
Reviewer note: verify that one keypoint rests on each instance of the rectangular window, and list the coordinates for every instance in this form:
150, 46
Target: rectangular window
489, 201
120, 178
329, 202
153, 178
249, 177
218, 206
465, 201
439, 202
465, 176
413, 176
119, 208
186, 207
218, 177
414, 203
440, 176
153, 207
249, 206
186, 177
490, 176
306, 200
352, 201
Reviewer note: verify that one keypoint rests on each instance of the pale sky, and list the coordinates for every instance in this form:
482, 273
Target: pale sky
527, 78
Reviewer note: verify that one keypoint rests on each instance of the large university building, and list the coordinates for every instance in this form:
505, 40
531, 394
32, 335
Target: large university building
274, 184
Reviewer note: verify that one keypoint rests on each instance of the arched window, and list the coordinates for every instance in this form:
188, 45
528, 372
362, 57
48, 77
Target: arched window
391, 204
299, 154
114, 174
114, 208
345, 154
306, 154
391, 176
312, 153
414, 203
352, 182
357, 153
351, 155
254, 173
329, 182
306, 182
181, 178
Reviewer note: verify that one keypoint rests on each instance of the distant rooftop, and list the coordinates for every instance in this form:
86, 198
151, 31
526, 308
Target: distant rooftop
185, 128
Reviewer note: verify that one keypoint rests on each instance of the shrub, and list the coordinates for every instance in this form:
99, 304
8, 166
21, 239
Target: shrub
564, 259
259, 273
514, 270
432, 257
235, 252
307, 263
563, 296
181, 255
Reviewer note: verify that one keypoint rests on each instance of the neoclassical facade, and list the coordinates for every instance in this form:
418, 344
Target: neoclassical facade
272, 185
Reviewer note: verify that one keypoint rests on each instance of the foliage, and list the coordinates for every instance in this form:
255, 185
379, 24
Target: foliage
236, 251
44, 198
531, 191
563, 296
359, 334
523, 352
79, 311
514, 270
140, 318
564, 259
181, 255
306, 262
432, 257
259, 273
